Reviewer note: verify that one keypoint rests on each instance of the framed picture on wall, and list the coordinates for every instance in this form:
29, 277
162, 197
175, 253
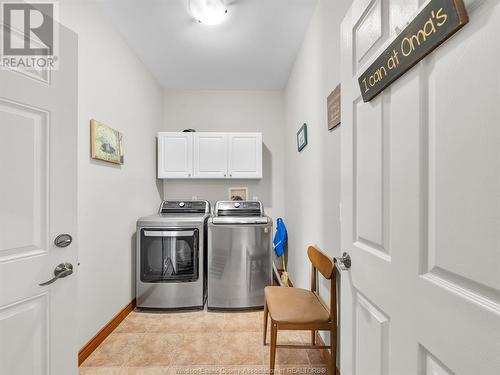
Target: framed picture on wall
238, 194
333, 108
302, 137
106, 143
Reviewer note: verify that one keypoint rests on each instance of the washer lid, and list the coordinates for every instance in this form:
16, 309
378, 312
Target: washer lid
226, 220
239, 220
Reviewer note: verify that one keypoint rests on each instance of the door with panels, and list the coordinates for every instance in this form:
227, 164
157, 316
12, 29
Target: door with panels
210, 155
38, 202
421, 200
175, 155
245, 155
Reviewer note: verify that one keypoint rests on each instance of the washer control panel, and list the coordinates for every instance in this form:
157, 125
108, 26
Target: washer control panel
239, 208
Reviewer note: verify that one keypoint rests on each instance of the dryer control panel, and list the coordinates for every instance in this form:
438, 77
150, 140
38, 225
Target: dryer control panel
172, 207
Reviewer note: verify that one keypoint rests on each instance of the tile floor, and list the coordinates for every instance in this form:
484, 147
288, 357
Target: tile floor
197, 343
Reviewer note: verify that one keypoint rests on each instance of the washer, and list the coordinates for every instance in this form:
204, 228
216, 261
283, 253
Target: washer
170, 256
239, 255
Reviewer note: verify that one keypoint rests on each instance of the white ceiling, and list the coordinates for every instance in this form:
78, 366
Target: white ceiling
254, 49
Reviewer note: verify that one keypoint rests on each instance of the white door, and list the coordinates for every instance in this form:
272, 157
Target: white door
38, 202
421, 200
210, 155
175, 155
245, 155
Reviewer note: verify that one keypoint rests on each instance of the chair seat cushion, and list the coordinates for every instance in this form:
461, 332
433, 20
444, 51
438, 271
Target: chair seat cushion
295, 305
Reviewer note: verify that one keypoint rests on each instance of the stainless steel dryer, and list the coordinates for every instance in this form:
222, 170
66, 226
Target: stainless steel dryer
239, 255
170, 256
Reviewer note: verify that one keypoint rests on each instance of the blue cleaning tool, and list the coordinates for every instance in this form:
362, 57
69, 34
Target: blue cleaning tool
280, 237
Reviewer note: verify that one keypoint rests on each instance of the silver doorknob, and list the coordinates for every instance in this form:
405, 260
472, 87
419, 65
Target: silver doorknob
63, 240
61, 271
343, 263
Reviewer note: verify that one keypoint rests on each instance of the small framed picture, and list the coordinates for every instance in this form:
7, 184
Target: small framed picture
238, 194
302, 137
106, 143
333, 108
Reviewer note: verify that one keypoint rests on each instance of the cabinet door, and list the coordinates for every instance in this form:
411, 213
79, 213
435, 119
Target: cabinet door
210, 155
245, 155
175, 155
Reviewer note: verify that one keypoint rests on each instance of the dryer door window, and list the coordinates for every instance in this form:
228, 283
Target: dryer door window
169, 255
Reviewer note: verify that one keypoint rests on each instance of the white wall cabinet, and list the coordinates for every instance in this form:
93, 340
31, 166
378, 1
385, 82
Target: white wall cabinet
210, 155
175, 155
245, 155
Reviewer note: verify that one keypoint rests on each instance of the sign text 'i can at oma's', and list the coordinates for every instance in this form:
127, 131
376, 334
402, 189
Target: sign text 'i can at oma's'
435, 23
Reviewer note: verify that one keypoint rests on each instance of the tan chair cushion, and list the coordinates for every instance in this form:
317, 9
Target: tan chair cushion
295, 305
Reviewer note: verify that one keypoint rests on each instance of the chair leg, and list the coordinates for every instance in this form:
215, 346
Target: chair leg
313, 337
274, 335
265, 321
333, 351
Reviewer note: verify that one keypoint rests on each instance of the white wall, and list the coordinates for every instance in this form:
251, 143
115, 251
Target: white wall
312, 176
115, 88
228, 111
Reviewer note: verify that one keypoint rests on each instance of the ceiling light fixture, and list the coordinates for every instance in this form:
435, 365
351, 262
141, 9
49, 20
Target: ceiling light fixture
208, 12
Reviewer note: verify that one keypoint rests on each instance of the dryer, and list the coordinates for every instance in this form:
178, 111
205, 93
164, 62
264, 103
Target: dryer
170, 256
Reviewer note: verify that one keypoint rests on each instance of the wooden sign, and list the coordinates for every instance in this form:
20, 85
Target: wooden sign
437, 21
333, 106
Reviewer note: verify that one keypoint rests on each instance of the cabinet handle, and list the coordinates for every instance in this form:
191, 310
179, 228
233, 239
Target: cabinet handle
224, 175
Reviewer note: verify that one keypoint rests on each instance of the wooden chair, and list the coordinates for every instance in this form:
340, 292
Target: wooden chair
301, 309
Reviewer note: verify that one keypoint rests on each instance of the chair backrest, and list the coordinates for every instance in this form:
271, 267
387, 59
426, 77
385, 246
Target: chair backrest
325, 265
321, 262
